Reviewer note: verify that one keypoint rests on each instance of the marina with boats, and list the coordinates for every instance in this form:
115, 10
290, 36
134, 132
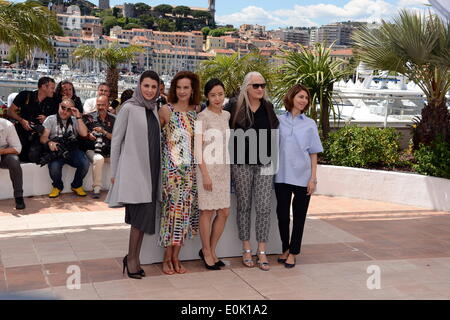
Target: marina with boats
373, 99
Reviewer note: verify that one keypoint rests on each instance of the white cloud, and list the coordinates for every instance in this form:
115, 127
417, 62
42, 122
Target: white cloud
257, 15
317, 14
411, 3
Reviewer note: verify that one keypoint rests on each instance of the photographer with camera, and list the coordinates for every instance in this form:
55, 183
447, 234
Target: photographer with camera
60, 136
102, 90
98, 143
34, 107
9, 149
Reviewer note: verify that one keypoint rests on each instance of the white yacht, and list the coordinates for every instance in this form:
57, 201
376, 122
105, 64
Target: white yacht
378, 98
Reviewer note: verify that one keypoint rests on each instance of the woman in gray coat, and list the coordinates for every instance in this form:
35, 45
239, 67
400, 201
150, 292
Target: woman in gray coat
135, 166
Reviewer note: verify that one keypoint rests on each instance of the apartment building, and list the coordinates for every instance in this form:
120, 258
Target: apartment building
338, 33
342, 54
192, 40
292, 35
225, 52
169, 62
214, 43
252, 31
73, 25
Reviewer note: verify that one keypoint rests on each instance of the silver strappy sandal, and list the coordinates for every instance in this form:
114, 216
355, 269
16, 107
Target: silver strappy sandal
247, 262
262, 265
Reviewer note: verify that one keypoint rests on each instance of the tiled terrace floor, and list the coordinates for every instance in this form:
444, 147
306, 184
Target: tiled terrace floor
410, 245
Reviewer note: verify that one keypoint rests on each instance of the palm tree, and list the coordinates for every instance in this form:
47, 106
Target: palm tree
418, 47
27, 25
318, 72
231, 70
112, 56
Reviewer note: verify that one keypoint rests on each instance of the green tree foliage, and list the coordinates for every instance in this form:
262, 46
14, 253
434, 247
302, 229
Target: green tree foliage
132, 25
220, 31
148, 21
125, 21
205, 31
199, 14
108, 22
182, 11
232, 70
417, 46
112, 56
165, 25
15, 56
163, 9
141, 8
314, 69
27, 25
116, 12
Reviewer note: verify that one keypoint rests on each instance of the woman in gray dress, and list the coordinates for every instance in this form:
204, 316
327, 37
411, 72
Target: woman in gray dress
135, 166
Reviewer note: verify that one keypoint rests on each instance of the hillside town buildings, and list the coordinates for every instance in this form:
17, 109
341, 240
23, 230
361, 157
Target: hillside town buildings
169, 52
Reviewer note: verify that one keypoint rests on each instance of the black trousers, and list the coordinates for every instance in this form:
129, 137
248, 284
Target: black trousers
300, 205
12, 163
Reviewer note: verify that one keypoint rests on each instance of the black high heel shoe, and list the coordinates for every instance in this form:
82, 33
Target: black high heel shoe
220, 263
135, 275
281, 260
207, 266
290, 265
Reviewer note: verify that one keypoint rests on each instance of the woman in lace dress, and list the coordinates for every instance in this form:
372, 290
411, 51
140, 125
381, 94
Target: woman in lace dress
213, 171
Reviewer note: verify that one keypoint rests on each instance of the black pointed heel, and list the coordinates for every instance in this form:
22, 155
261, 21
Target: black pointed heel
220, 263
207, 266
290, 265
134, 275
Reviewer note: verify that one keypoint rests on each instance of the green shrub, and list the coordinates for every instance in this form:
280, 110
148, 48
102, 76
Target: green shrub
362, 147
433, 160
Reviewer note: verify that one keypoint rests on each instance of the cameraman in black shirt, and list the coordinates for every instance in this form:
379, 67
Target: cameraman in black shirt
98, 143
35, 107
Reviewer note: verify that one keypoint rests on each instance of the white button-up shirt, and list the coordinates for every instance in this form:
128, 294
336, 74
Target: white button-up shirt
8, 136
299, 138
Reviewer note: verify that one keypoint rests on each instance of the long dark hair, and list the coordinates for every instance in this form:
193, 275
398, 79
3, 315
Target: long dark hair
210, 85
58, 90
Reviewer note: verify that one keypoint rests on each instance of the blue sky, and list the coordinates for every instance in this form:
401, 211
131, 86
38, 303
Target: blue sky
298, 13
283, 13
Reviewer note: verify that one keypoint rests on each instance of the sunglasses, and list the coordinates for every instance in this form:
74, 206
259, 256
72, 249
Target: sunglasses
66, 108
257, 85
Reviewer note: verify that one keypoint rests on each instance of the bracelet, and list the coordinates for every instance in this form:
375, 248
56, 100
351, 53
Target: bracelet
78, 118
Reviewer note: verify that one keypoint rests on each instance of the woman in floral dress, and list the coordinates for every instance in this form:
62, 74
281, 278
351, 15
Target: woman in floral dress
179, 213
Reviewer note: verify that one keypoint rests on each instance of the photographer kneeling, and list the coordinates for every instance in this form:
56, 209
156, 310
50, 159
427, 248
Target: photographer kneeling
60, 136
98, 143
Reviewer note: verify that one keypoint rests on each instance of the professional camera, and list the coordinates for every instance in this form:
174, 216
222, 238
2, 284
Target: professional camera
160, 101
66, 143
37, 130
99, 143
